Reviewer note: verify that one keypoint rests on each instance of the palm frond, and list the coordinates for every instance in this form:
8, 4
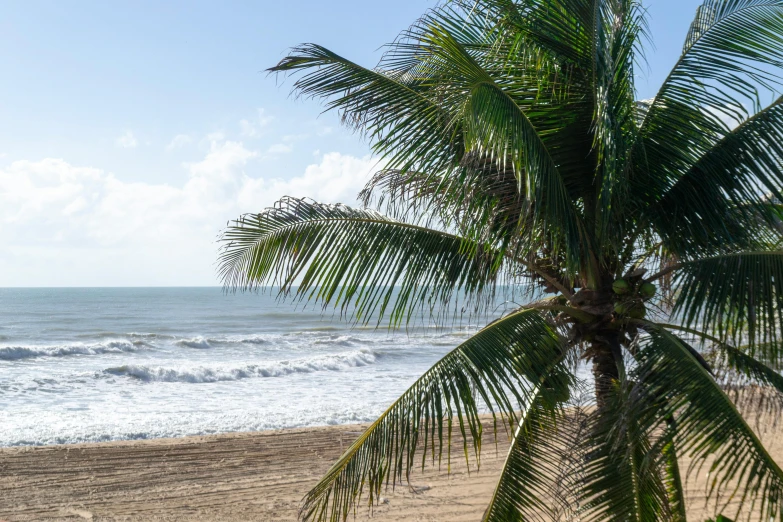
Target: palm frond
623, 468
618, 26
726, 58
479, 201
709, 425
736, 296
752, 385
748, 380
437, 93
495, 126
722, 201
751, 367
554, 96
729, 58
547, 70
672, 478
526, 489
563, 29
769, 354
498, 126
500, 366
405, 125
355, 258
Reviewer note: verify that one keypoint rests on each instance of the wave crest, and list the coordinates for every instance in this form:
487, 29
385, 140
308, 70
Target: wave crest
202, 374
197, 342
14, 353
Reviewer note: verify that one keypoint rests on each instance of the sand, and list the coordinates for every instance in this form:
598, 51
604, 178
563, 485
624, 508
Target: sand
242, 476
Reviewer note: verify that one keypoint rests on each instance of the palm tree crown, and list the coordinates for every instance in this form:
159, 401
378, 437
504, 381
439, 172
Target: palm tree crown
516, 153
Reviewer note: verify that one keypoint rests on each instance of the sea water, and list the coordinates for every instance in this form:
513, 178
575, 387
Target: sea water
98, 364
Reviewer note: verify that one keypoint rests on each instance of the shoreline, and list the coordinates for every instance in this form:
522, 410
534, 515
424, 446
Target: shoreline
241, 476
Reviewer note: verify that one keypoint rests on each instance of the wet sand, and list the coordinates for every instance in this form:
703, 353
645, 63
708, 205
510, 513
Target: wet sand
243, 476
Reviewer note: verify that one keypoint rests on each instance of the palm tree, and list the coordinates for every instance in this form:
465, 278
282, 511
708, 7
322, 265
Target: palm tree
516, 156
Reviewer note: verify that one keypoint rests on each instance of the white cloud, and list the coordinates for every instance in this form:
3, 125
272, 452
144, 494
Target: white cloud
290, 138
247, 129
280, 148
337, 178
214, 136
62, 224
180, 140
253, 128
127, 141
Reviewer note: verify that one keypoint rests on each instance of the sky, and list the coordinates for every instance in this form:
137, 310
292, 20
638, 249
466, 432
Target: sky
131, 132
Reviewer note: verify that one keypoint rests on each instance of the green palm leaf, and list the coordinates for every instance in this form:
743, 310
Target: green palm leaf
392, 109
752, 368
500, 365
564, 29
494, 125
672, 478
354, 257
535, 461
729, 58
440, 90
550, 75
767, 354
737, 295
709, 425
722, 66
499, 127
734, 368
623, 469
618, 25
709, 207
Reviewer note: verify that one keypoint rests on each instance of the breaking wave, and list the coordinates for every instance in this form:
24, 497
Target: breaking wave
14, 353
197, 342
204, 343
202, 374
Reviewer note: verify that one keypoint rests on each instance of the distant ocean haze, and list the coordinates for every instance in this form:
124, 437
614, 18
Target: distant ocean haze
97, 364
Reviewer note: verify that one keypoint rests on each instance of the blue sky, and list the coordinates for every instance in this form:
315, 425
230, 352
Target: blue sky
130, 132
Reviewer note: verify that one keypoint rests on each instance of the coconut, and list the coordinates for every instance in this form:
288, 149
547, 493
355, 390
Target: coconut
621, 287
637, 311
553, 391
619, 308
647, 290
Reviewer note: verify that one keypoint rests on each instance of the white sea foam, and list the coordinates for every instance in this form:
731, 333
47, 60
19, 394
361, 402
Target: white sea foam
57, 345
14, 353
196, 342
86, 427
257, 339
340, 340
205, 374
202, 342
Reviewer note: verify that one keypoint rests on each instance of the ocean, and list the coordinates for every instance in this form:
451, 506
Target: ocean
100, 364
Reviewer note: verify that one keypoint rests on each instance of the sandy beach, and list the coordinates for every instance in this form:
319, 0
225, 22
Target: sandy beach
242, 476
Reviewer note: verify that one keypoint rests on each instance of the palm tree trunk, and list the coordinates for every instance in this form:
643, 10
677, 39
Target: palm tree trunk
605, 368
